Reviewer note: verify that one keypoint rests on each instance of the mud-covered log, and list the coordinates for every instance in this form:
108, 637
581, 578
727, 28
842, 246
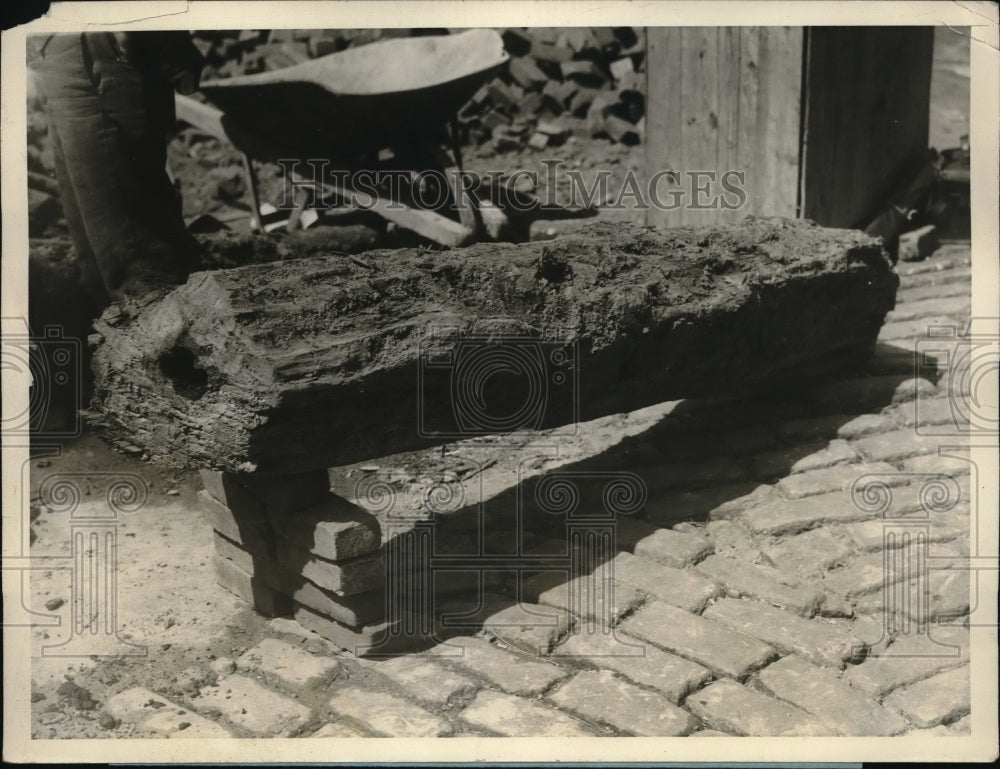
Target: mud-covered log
319, 362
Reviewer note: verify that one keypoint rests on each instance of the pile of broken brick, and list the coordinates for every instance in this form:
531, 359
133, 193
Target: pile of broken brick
587, 82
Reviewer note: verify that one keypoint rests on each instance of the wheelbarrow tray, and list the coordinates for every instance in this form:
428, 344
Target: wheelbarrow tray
361, 99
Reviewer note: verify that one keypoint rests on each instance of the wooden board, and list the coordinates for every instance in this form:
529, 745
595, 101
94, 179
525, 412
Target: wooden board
721, 99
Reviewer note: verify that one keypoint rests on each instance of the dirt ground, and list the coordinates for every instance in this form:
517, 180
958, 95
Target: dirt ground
168, 607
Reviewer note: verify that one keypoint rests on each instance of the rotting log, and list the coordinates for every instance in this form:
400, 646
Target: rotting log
298, 365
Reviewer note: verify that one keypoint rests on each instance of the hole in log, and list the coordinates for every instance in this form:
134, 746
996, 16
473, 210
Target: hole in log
179, 367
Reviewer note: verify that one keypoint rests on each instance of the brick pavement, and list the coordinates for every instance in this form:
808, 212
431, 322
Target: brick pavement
760, 591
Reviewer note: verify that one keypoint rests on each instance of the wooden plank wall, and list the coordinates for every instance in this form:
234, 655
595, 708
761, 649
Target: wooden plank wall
825, 122
867, 109
724, 98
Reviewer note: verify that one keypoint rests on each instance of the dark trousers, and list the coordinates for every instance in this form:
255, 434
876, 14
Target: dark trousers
108, 121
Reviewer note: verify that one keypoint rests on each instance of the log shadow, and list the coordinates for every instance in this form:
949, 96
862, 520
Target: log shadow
706, 454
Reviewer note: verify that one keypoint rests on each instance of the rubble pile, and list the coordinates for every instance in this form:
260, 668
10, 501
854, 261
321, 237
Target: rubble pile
586, 82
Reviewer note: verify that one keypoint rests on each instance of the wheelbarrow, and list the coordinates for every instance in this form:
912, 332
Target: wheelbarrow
401, 95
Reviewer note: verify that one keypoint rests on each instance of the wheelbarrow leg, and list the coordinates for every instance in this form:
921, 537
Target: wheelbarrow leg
464, 200
255, 223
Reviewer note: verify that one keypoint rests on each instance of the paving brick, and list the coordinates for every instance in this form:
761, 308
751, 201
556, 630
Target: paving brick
927, 412
871, 535
334, 529
799, 459
911, 330
919, 500
638, 661
907, 294
517, 717
424, 679
897, 445
179, 723
869, 573
728, 536
838, 478
339, 730
934, 463
943, 697
137, 704
819, 691
871, 393
835, 607
910, 658
358, 575
674, 586
375, 637
673, 548
227, 490
253, 533
715, 502
358, 609
816, 639
240, 583
730, 707
529, 627
295, 668
513, 672
603, 601
255, 563
793, 516
599, 695
869, 630
709, 643
866, 424
761, 582
949, 595
250, 705
927, 308
938, 276
810, 553
387, 715
949, 257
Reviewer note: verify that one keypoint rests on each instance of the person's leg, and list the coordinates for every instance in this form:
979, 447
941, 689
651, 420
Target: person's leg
111, 120
137, 106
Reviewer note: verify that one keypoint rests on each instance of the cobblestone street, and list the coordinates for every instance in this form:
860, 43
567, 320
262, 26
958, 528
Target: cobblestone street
799, 568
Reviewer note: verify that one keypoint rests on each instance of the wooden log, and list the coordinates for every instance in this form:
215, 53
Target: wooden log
292, 366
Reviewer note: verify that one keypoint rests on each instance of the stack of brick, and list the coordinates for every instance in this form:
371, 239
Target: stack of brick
587, 82
290, 547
